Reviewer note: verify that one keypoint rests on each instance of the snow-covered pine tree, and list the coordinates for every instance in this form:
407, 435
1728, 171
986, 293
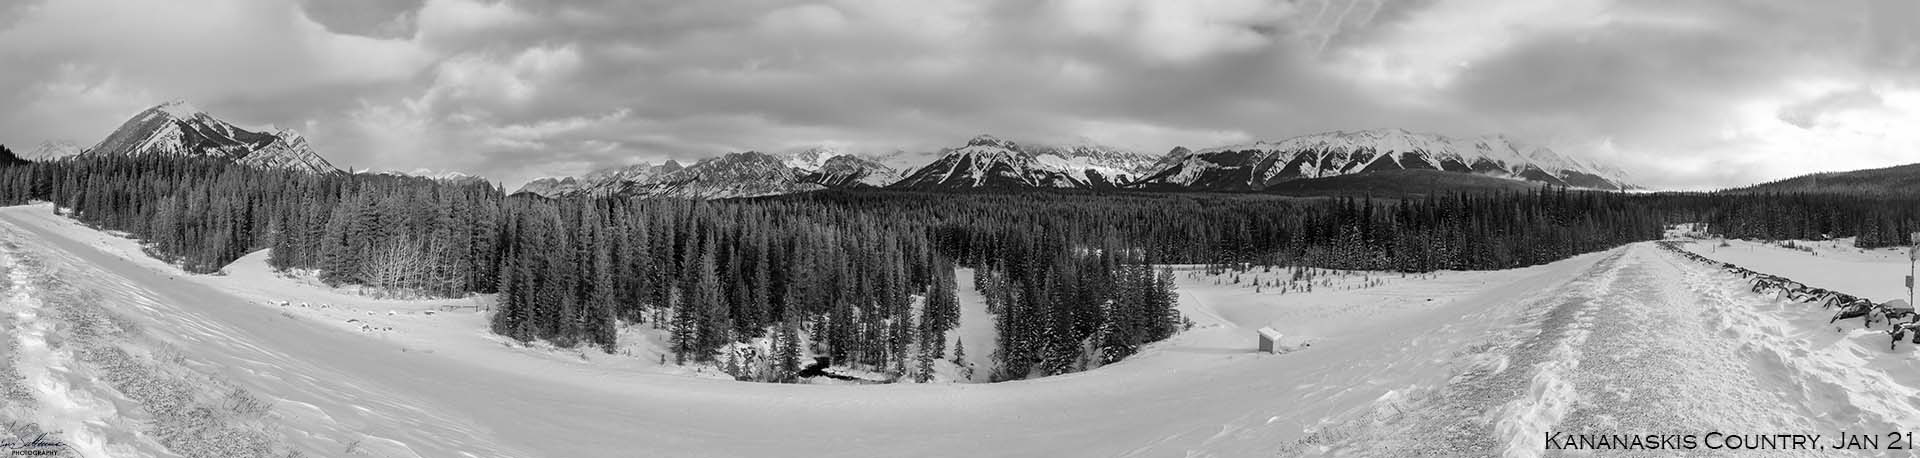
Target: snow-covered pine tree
685, 330
959, 352
789, 351
923, 370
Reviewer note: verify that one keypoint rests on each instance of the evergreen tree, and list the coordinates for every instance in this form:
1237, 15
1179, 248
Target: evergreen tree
789, 350
685, 329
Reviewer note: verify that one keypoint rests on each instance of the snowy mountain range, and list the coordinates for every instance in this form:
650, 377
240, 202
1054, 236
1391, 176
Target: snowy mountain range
601, 182
989, 162
1260, 165
176, 128
848, 170
53, 149
1098, 163
451, 176
746, 174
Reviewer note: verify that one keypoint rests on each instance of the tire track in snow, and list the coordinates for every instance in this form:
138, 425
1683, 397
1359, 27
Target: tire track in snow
1513, 386
1660, 363
16, 399
1522, 423
43, 360
1645, 343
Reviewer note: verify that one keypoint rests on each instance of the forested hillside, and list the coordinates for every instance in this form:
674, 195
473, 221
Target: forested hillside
867, 276
1877, 220
1901, 180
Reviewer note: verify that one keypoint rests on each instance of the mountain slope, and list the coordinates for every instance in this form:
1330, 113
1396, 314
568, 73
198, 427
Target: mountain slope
1388, 183
1901, 180
1262, 165
988, 162
848, 170
1099, 165
748, 174
178, 129
607, 182
551, 186
600, 182
448, 176
53, 149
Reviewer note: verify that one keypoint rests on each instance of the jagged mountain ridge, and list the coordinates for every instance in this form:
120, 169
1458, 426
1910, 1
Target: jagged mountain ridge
448, 176
1261, 165
990, 162
1102, 166
601, 182
847, 170
53, 149
178, 129
745, 174
551, 186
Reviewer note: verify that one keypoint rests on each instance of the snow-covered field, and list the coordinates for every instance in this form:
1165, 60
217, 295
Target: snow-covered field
1633, 340
1831, 264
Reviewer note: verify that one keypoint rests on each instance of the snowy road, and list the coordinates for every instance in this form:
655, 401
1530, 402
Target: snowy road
1648, 343
1634, 340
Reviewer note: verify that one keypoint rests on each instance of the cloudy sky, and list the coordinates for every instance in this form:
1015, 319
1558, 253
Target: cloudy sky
1679, 94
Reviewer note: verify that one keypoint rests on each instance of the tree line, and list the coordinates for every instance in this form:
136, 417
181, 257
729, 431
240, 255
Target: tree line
1874, 220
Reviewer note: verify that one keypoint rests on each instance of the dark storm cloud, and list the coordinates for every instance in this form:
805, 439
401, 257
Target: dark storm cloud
375, 18
1607, 81
519, 88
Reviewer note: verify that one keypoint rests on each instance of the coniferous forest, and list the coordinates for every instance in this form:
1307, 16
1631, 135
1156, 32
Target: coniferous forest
866, 276
1876, 220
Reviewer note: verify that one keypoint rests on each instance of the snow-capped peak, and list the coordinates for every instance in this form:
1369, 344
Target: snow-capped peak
1112, 165
989, 140
990, 162
1257, 165
177, 128
290, 136
179, 109
53, 149
811, 159
423, 172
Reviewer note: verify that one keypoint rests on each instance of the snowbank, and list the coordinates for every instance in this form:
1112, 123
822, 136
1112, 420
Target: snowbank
1832, 264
